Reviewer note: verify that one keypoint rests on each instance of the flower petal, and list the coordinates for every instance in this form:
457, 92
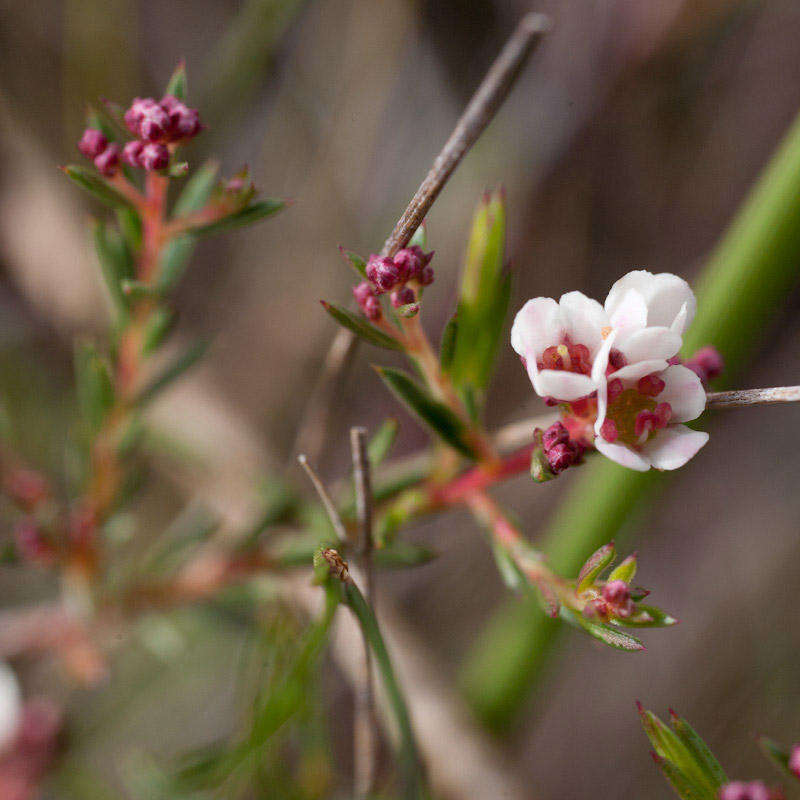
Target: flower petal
684, 392
561, 384
622, 455
649, 343
630, 313
599, 379
681, 322
632, 372
584, 320
673, 447
536, 326
665, 295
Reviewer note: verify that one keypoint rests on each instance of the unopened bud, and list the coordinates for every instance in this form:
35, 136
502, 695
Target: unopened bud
555, 434
108, 161
402, 297
154, 156
739, 790
154, 124
794, 761
383, 273
426, 276
618, 597
561, 456
132, 153
92, 143
706, 363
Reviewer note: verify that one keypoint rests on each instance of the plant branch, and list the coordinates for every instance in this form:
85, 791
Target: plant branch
751, 397
480, 111
330, 508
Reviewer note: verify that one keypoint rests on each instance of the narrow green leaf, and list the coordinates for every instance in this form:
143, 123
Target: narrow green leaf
172, 371
130, 223
703, 756
399, 554
177, 82
247, 216
509, 570
410, 763
381, 443
95, 185
625, 570
605, 633
595, 564
776, 753
447, 347
355, 261
359, 326
684, 787
432, 412
420, 237
136, 290
94, 384
647, 617
156, 329
116, 264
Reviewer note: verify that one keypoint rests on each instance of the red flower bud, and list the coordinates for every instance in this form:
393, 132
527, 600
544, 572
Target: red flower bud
92, 143
132, 153
108, 161
383, 273
402, 297
154, 156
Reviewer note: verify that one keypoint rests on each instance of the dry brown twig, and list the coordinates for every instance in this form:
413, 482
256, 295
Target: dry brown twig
480, 111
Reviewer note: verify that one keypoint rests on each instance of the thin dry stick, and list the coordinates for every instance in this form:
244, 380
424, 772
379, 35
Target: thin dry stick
751, 397
330, 508
366, 724
478, 114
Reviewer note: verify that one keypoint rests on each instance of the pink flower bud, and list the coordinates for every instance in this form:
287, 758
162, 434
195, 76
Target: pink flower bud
135, 114
184, 122
555, 434
618, 596
650, 385
154, 124
402, 297
561, 456
92, 143
108, 161
426, 276
706, 363
154, 156
794, 760
132, 153
372, 309
383, 273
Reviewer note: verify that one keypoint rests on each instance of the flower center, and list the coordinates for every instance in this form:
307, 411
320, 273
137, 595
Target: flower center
633, 414
567, 357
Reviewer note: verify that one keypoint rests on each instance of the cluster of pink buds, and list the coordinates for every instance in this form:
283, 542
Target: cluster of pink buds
386, 274
95, 146
155, 126
561, 452
755, 790
615, 601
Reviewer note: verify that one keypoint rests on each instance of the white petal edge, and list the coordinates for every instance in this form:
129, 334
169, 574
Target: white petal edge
630, 313
684, 392
673, 447
10, 706
599, 379
622, 455
583, 319
665, 295
632, 372
537, 325
649, 343
561, 384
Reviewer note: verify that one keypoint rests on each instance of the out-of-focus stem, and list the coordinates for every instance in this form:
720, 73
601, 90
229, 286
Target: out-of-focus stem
751, 397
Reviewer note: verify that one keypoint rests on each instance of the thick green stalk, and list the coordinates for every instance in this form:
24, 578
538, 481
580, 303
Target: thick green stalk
748, 277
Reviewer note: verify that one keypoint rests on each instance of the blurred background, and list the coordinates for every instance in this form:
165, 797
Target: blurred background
629, 141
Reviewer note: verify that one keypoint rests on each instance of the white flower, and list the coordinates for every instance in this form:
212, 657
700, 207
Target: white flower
10, 706
610, 366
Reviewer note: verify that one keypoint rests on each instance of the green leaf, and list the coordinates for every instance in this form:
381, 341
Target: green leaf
703, 756
432, 412
176, 254
776, 753
381, 443
484, 297
359, 326
94, 384
177, 83
238, 219
605, 633
447, 347
116, 264
136, 290
625, 570
130, 223
509, 570
399, 554
355, 261
410, 763
684, 787
647, 617
158, 326
595, 564
95, 185
171, 371
420, 237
